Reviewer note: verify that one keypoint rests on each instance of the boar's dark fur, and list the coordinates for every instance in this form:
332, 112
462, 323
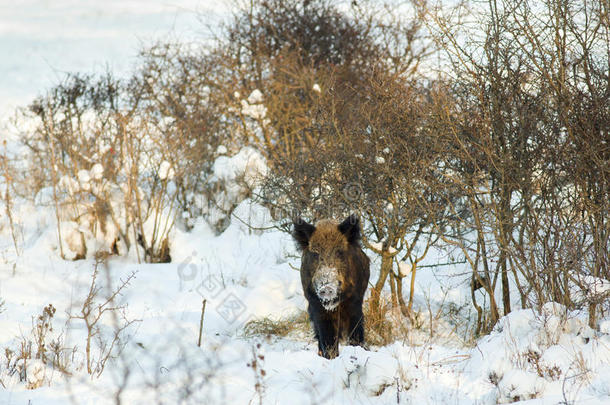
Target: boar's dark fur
333, 265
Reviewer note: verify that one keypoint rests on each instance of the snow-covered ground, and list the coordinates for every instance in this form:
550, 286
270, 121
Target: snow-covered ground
549, 357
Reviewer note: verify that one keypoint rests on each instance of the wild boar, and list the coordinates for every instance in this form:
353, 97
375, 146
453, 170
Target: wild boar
334, 274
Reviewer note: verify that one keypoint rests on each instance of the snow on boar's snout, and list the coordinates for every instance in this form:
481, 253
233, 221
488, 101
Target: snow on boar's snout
334, 275
327, 282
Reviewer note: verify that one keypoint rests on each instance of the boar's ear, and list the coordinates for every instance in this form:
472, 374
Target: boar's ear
302, 232
351, 229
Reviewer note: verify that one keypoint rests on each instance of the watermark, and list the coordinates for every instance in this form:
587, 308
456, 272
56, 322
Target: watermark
353, 192
210, 287
194, 274
231, 308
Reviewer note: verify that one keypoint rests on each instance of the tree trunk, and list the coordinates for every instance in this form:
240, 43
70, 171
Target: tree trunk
592, 315
393, 293
401, 301
505, 229
386, 267
476, 305
412, 287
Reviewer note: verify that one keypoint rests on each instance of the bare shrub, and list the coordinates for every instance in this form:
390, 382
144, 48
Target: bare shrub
339, 116
40, 330
257, 365
76, 132
97, 310
7, 172
520, 143
39, 354
180, 96
284, 48
366, 145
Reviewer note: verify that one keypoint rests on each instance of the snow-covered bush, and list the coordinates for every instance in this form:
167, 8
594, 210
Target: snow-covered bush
37, 356
122, 162
99, 166
233, 179
185, 112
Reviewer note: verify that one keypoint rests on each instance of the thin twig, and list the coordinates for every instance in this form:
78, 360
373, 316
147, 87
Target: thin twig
201, 323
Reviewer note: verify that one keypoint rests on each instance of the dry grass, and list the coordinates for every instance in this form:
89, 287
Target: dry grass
386, 325
381, 327
296, 323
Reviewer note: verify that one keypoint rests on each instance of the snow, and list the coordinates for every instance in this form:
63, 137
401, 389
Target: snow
243, 275
83, 179
68, 184
518, 385
256, 97
247, 165
586, 287
97, 171
221, 150
255, 111
253, 106
166, 172
404, 268
378, 246
244, 272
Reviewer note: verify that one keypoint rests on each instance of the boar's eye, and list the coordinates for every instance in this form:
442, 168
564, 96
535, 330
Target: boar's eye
339, 254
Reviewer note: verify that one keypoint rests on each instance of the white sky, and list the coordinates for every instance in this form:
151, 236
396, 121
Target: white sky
41, 40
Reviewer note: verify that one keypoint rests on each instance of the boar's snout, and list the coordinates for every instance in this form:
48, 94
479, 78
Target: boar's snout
327, 286
327, 292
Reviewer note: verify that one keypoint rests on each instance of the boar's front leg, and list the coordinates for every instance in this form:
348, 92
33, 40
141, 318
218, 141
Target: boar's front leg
356, 324
328, 342
325, 330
